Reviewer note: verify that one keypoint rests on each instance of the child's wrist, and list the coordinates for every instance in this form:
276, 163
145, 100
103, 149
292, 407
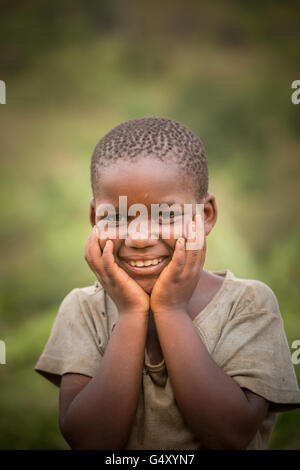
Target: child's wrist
170, 311
133, 313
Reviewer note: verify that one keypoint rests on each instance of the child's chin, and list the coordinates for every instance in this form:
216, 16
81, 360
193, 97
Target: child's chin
147, 285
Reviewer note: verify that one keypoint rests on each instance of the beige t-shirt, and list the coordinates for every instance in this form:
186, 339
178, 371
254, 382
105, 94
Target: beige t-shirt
241, 327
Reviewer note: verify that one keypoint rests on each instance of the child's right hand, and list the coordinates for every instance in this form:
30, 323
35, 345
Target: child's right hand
129, 297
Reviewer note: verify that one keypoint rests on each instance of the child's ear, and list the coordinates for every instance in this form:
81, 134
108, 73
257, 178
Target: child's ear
210, 213
92, 212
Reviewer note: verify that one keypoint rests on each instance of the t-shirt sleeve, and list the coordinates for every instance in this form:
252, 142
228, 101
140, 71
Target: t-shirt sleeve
254, 351
73, 345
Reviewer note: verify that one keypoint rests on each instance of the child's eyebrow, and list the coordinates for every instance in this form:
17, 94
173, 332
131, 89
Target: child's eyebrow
159, 203
163, 204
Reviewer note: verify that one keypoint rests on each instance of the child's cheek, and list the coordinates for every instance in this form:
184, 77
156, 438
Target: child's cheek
176, 231
103, 242
116, 243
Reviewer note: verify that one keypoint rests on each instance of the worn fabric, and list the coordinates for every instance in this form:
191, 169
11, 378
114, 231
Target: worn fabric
241, 327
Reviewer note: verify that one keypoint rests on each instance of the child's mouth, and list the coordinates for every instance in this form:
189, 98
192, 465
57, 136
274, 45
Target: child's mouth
144, 267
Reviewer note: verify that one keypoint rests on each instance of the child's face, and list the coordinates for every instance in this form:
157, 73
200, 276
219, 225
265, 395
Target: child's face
147, 182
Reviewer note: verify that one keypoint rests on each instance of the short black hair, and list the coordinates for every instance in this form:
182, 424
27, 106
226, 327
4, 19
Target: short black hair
162, 138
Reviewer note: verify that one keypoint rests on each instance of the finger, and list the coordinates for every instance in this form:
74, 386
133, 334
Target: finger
177, 262
196, 233
94, 254
95, 228
88, 258
96, 241
94, 248
199, 233
108, 261
87, 254
194, 243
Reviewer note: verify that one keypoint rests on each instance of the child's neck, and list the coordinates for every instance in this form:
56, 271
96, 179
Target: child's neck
207, 287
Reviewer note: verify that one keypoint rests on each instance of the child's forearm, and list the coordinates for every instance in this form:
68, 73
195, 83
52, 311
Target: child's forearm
101, 415
212, 403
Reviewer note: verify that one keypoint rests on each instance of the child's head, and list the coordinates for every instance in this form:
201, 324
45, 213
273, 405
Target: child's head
150, 161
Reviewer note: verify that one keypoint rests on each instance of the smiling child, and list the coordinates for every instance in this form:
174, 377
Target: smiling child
161, 353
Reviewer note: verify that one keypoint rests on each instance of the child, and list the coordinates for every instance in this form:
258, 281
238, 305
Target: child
165, 355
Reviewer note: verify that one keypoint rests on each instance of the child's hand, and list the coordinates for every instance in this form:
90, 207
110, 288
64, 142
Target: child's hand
128, 296
176, 283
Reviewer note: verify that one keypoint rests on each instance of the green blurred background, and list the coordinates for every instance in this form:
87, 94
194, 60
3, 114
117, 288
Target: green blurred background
74, 70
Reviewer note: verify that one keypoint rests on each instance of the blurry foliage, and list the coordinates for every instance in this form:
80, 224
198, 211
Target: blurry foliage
76, 69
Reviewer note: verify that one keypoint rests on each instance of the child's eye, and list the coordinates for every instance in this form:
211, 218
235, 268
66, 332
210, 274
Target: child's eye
115, 219
166, 217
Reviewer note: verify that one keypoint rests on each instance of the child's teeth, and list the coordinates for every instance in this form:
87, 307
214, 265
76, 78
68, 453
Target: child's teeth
149, 262
139, 263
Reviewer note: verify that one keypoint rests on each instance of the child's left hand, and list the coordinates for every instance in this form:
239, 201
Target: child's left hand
176, 283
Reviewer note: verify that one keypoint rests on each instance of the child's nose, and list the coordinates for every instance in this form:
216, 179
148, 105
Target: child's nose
139, 242
146, 236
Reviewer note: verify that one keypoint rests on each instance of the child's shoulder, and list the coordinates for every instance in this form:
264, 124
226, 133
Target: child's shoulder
252, 294
93, 289
90, 300
83, 299
240, 294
